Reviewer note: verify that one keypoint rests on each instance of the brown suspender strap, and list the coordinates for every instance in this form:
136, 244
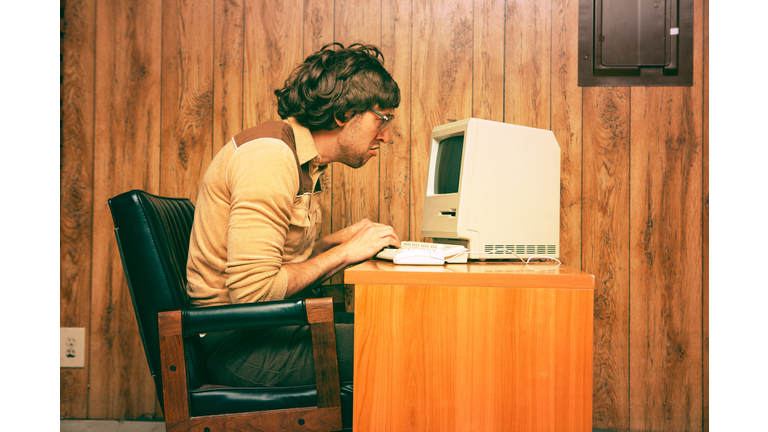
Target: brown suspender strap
283, 132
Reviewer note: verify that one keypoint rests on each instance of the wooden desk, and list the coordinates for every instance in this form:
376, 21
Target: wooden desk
472, 347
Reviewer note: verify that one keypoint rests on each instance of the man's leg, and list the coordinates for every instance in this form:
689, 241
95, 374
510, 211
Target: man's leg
272, 357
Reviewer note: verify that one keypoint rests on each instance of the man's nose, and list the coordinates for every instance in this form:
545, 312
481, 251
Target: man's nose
383, 136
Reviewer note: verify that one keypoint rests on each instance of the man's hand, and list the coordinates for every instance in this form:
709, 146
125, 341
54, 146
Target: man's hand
353, 244
365, 239
334, 239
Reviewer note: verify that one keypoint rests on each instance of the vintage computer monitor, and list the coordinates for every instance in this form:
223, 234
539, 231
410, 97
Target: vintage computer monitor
493, 185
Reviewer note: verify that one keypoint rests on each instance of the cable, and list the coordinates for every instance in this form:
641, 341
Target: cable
448, 260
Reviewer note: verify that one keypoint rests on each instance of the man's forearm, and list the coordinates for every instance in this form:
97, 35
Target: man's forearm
314, 271
350, 245
326, 243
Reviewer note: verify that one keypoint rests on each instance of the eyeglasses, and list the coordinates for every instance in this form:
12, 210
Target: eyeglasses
386, 120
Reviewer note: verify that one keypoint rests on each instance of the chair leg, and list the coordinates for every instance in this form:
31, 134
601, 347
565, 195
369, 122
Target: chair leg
174, 369
320, 317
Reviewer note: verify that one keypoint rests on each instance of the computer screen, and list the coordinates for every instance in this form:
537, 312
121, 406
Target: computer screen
493, 186
448, 165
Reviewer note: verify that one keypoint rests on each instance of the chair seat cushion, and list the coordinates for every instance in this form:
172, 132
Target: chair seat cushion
214, 400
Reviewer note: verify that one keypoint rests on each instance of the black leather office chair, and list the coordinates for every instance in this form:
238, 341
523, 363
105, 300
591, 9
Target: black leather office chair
153, 238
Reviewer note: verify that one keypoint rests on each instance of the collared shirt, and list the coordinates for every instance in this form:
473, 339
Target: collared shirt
250, 218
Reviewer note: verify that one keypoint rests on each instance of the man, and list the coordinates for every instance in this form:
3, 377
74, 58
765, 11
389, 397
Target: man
257, 212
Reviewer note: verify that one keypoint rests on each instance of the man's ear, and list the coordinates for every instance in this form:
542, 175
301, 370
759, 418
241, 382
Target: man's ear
348, 115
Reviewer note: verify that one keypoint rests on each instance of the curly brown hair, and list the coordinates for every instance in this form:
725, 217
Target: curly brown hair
333, 82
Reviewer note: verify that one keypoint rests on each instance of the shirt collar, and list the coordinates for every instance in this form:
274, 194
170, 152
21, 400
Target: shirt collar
305, 144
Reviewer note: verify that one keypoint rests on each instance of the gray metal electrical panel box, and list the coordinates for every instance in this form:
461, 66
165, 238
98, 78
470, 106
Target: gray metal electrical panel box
635, 42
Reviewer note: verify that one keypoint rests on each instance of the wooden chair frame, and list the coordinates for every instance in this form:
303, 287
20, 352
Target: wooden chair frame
325, 417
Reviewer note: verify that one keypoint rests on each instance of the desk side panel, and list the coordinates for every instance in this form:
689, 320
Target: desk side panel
471, 358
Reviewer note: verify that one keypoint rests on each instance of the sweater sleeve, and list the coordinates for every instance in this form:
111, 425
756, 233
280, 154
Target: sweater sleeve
263, 179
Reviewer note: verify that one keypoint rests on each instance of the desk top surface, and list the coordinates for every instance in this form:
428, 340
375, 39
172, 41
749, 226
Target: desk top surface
491, 274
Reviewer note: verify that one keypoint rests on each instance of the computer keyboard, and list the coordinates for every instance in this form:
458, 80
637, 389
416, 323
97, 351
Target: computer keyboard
448, 251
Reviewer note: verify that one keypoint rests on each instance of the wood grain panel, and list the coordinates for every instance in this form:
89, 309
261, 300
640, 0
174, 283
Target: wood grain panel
318, 25
566, 125
187, 85
76, 190
126, 156
488, 61
356, 191
395, 157
666, 242
441, 73
705, 223
228, 39
527, 62
318, 31
665, 255
273, 48
605, 246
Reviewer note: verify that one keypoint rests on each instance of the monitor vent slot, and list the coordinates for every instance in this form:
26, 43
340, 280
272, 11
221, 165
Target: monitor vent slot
508, 249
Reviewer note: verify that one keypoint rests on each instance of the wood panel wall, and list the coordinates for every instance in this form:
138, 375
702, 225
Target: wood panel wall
152, 90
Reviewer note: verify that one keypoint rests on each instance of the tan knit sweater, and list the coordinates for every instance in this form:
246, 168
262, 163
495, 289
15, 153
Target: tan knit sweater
249, 220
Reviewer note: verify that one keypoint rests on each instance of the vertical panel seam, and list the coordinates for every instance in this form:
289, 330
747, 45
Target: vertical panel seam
303, 29
333, 188
704, 88
93, 200
472, 77
213, 87
410, 116
242, 74
379, 156
504, 67
629, 270
160, 144
410, 125
581, 243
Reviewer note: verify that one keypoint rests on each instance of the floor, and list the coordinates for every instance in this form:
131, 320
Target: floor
111, 426
133, 426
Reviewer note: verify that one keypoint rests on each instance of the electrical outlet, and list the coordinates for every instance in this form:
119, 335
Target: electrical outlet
72, 353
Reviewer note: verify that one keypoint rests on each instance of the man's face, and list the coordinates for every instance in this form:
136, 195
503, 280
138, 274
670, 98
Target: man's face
361, 137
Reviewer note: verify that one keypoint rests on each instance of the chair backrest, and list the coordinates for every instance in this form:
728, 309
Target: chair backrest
153, 238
